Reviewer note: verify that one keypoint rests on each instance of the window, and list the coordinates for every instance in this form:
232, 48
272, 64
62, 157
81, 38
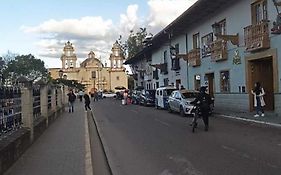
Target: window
197, 82
220, 27
176, 60
165, 56
166, 81
117, 78
157, 84
155, 74
224, 81
259, 11
93, 74
206, 44
196, 41
161, 93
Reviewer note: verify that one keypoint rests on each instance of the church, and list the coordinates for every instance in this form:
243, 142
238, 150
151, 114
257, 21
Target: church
92, 72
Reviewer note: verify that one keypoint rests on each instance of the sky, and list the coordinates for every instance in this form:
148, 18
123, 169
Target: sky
43, 27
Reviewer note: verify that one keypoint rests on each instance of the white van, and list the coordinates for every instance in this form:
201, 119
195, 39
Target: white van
162, 95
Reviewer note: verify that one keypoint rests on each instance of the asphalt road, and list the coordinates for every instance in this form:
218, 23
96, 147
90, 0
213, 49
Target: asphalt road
145, 141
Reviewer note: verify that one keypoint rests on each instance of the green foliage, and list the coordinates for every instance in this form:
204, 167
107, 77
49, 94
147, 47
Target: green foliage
27, 66
69, 83
134, 43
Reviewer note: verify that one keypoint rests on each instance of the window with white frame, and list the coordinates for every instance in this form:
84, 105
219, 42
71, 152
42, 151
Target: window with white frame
196, 41
259, 11
206, 44
224, 81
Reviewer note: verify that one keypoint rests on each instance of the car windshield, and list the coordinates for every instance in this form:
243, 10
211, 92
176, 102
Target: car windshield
168, 92
190, 94
150, 94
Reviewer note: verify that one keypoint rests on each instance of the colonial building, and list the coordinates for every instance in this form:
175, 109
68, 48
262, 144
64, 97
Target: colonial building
92, 72
227, 45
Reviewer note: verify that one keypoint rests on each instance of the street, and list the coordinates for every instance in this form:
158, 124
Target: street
142, 140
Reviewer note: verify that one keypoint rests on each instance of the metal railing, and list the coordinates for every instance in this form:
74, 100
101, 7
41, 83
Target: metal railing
49, 99
10, 109
36, 102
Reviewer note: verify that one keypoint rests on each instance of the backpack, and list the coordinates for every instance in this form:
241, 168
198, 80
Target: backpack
204, 103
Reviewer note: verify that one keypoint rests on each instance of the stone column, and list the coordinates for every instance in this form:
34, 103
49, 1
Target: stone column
59, 98
53, 100
27, 110
44, 103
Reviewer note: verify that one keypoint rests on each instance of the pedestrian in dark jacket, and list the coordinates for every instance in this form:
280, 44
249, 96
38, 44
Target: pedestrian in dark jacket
203, 100
87, 102
71, 99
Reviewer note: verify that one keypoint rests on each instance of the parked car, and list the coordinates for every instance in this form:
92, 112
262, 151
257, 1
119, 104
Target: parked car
136, 96
162, 96
108, 95
179, 101
147, 97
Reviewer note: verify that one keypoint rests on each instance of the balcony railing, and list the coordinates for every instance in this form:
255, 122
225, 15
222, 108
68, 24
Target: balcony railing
219, 50
194, 57
257, 36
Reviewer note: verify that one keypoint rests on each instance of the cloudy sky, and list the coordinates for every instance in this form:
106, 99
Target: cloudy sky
42, 27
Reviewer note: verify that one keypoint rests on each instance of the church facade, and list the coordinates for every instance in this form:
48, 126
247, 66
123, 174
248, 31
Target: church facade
92, 72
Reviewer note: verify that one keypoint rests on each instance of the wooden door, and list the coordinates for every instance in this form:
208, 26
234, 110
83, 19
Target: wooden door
262, 71
211, 78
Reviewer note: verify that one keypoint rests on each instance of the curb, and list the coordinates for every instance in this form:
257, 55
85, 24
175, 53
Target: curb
103, 144
250, 120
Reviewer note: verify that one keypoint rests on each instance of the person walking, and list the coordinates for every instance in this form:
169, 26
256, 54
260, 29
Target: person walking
259, 103
71, 99
80, 94
125, 97
87, 102
204, 101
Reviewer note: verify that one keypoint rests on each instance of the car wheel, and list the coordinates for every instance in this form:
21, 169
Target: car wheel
182, 112
145, 103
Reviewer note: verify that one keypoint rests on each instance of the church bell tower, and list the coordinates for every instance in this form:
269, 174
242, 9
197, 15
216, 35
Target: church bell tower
68, 57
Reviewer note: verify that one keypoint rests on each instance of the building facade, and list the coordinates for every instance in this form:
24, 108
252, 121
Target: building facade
227, 45
91, 72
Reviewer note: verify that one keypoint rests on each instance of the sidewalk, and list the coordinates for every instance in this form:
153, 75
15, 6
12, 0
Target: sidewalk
60, 150
270, 118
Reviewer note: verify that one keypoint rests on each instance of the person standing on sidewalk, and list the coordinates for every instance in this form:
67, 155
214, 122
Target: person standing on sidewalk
258, 93
87, 102
71, 99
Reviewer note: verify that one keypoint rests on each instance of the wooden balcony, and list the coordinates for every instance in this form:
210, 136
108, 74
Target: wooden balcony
257, 37
194, 57
219, 50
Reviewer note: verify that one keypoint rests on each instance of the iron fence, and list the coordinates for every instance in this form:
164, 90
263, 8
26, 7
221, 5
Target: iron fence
49, 99
10, 109
36, 102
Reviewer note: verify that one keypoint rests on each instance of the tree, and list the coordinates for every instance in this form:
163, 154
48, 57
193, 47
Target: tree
134, 43
27, 66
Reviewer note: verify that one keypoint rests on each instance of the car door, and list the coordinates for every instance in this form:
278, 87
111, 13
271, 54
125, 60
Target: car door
160, 99
177, 101
172, 101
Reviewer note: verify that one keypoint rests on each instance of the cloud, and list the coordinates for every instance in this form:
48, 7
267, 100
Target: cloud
163, 12
98, 34
86, 27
